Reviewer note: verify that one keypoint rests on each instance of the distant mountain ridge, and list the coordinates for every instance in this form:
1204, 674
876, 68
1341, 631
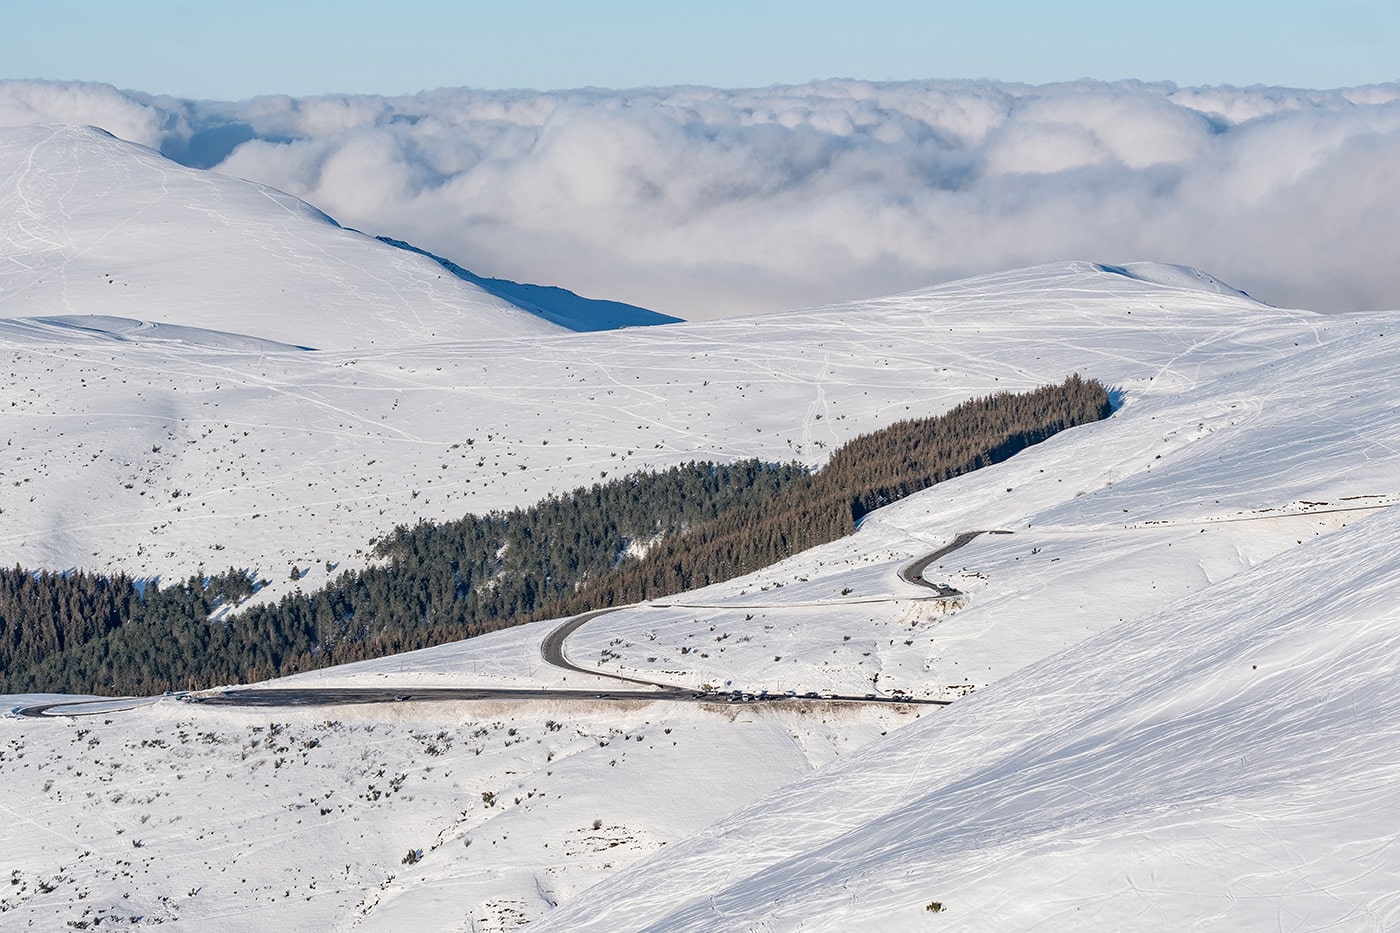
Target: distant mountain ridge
95, 227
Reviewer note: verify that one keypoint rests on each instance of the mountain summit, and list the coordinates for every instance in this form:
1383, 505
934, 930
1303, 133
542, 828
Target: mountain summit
92, 225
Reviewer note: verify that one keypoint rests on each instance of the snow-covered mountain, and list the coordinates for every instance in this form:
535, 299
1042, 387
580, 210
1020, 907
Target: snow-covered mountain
94, 226
1173, 680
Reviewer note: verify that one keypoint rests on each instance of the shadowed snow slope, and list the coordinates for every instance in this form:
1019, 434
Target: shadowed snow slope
552, 303
1174, 276
92, 225
98, 327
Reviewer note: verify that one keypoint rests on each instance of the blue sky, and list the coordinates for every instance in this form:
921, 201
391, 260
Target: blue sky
216, 49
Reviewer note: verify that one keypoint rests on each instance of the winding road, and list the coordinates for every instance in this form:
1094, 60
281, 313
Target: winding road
914, 572
551, 650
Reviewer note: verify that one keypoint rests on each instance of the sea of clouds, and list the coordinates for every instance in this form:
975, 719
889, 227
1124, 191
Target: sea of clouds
705, 202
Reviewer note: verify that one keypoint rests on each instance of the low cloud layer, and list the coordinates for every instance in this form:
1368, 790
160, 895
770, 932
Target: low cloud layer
703, 202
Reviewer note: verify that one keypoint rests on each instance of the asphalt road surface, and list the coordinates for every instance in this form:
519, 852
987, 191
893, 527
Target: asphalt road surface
914, 572
552, 650
285, 698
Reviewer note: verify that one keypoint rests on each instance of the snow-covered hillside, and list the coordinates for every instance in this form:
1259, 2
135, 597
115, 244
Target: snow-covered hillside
1172, 680
550, 302
158, 457
1228, 763
94, 225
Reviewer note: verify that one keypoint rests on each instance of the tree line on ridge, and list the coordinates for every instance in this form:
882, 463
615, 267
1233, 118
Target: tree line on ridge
644, 536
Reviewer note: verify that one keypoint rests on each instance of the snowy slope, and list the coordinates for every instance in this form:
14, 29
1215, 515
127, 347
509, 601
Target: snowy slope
1153, 672
1174, 276
158, 458
226, 820
93, 225
68, 328
1226, 764
552, 303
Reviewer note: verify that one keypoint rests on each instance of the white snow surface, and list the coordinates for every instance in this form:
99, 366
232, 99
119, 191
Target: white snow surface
157, 457
94, 225
1226, 764
1174, 681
